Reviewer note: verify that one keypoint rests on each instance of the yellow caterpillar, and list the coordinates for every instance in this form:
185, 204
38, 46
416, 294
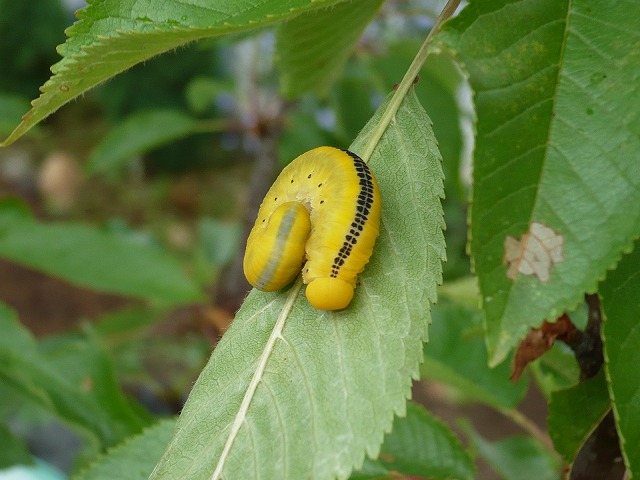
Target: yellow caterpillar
324, 208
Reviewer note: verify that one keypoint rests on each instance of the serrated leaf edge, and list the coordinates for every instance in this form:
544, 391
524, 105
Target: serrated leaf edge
122, 445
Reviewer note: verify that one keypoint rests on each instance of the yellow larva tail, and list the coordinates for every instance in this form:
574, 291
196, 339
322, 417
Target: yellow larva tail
275, 252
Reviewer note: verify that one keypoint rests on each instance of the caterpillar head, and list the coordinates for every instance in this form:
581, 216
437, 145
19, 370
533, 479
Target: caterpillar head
329, 293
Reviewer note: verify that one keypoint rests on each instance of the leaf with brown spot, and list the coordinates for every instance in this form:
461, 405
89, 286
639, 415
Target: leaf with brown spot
556, 143
535, 253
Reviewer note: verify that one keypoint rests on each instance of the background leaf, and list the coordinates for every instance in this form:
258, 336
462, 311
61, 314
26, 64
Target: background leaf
557, 143
457, 355
621, 336
517, 458
574, 414
220, 240
138, 133
11, 109
133, 459
333, 380
111, 36
74, 381
313, 47
556, 370
14, 450
102, 260
421, 445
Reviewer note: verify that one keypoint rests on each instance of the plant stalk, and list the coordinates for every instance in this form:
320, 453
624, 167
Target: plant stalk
531, 428
407, 81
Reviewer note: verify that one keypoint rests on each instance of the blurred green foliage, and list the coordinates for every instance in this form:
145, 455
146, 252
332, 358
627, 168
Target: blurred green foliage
30, 31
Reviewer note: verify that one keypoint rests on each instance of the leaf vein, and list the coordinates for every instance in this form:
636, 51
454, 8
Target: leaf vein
307, 386
520, 113
496, 171
281, 421
609, 25
521, 82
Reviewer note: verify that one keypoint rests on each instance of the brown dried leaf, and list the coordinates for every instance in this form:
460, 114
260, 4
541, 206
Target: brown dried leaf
535, 253
538, 341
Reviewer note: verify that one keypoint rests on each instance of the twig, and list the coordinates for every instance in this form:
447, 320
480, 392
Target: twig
530, 427
407, 81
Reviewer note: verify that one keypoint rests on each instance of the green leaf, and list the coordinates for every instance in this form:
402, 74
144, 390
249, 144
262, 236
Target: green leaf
351, 99
574, 414
313, 47
137, 134
463, 291
11, 109
456, 355
87, 256
558, 107
126, 322
421, 445
113, 35
14, 450
621, 337
220, 240
517, 458
134, 459
371, 471
74, 380
13, 209
201, 93
303, 393
556, 370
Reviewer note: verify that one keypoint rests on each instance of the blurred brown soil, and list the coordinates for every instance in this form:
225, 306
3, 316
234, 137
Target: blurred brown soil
47, 305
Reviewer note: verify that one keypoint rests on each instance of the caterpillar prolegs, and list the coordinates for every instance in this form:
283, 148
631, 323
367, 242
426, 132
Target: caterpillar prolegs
324, 208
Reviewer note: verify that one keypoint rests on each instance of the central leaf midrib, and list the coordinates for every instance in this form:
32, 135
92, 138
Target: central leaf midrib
239, 419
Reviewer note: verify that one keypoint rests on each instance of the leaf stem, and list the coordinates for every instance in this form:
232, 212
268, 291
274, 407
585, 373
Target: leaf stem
531, 428
407, 81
